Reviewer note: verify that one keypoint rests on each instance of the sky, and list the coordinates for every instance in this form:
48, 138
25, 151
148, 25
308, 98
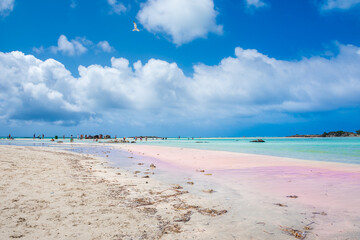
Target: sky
196, 68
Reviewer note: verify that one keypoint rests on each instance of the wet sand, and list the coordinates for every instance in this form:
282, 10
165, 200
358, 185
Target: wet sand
322, 193
52, 194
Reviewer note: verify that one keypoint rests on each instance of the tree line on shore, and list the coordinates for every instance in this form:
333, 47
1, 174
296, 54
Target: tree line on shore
331, 134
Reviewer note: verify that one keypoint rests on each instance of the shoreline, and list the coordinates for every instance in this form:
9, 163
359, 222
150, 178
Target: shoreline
236, 159
331, 189
253, 190
195, 138
303, 153
48, 193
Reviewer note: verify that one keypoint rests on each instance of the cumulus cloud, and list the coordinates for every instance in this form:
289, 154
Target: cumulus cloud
255, 3
71, 48
116, 6
255, 83
182, 20
31, 89
75, 47
105, 46
248, 84
6, 6
339, 4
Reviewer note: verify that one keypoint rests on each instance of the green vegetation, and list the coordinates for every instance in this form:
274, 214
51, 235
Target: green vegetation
338, 134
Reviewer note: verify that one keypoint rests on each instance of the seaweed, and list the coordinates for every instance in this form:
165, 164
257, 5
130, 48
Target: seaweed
293, 232
320, 213
175, 228
211, 212
280, 205
184, 217
177, 186
208, 191
138, 202
203, 211
292, 196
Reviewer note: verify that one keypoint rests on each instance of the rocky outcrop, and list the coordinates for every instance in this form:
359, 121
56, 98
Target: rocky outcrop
330, 134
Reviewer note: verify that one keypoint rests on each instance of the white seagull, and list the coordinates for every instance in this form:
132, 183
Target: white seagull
135, 28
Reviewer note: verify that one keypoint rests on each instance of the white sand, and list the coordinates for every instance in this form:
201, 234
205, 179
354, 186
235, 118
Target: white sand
52, 194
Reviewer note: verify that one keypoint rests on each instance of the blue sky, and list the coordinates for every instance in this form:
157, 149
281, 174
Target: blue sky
196, 68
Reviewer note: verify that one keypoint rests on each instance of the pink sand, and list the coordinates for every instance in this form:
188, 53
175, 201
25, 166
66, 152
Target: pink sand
328, 193
322, 184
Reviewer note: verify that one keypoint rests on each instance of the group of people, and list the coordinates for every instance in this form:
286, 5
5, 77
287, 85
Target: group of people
95, 138
42, 136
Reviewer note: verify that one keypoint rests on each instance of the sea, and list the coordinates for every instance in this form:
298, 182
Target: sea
334, 149
341, 149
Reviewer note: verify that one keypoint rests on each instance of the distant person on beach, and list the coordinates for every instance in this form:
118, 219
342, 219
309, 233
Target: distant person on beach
34, 136
52, 140
71, 138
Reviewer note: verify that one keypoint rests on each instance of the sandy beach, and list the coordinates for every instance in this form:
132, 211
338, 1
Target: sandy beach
47, 193
52, 194
326, 194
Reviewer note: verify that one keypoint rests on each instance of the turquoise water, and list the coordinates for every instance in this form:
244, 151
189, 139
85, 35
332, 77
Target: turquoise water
345, 150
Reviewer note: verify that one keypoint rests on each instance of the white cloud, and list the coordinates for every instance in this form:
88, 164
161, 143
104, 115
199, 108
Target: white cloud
339, 4
105, 46
38, 50
75, 47
71, 48
255, 3
117, 7
6, 6
249, 84
252, 83
182, 20
31, 89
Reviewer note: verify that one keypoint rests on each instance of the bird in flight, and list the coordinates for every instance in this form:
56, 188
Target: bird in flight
135, 28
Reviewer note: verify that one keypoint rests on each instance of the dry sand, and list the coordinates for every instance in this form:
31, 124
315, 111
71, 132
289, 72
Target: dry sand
52, 194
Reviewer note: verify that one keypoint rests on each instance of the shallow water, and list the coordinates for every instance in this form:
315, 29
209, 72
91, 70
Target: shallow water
250, 195
345, 150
